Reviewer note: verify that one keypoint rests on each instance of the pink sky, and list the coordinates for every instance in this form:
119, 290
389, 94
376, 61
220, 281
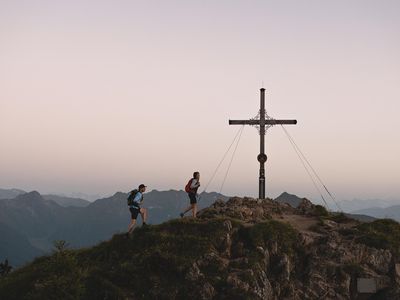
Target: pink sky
98, 96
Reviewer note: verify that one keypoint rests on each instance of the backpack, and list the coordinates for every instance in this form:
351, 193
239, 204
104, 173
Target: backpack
187, 187
131, 197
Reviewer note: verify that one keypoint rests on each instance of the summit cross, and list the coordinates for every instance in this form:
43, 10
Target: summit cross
264, 122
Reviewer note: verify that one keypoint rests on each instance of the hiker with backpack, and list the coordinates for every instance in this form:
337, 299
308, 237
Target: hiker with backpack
135, 198
191, 188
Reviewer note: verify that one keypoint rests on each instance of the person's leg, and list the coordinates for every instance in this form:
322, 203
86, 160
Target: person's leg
194, 209
193, 203
190, 207
143, 213
131, 225
134, 213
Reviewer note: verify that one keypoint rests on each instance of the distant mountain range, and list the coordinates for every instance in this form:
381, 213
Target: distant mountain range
391, 212
10, 193
67, 201
359, 204
61, 200
30, 223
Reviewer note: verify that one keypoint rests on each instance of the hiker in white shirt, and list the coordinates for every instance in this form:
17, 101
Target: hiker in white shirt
191, 188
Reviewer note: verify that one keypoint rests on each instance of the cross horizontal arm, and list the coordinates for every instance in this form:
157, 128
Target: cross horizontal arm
244, 122
281, 122
267, 122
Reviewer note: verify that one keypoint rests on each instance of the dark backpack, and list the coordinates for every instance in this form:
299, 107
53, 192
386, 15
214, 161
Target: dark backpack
187, 187
131, 197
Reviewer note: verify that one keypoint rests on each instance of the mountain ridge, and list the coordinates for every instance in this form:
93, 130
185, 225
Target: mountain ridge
242, 248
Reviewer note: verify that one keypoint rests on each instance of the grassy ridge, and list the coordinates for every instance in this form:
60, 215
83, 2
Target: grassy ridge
158, 262
153, 264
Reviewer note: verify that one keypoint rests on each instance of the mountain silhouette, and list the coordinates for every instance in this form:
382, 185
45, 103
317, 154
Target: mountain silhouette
290, 199
67, 201
10, 193
392, 212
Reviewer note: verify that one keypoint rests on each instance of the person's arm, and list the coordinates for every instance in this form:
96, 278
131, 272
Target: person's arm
195, 184
138, 197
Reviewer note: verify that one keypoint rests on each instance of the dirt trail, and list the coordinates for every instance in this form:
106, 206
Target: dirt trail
301, 223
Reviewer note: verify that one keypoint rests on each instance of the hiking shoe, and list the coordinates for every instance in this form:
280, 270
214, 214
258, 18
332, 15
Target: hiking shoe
181, 214
144, 224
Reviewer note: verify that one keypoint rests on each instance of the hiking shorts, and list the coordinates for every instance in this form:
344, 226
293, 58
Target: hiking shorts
192, 197
135, 210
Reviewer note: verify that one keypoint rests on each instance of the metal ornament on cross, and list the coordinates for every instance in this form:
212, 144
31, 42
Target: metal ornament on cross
263, 121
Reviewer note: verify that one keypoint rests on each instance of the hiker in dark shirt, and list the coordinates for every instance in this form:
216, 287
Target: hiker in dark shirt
134, 200
191, 188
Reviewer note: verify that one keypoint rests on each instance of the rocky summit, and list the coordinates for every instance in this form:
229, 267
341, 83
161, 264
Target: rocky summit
239, 249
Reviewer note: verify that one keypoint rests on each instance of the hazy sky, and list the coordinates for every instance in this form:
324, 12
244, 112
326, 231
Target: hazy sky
99, 96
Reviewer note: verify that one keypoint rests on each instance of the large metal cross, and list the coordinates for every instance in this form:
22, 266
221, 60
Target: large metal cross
264, 121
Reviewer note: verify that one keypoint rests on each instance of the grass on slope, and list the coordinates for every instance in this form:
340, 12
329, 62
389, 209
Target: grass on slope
152, 265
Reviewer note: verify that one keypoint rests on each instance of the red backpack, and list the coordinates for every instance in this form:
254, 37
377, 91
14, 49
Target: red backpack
187, 187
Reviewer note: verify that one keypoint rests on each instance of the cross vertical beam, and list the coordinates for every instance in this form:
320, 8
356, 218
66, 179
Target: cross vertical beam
262, 157
262, 122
